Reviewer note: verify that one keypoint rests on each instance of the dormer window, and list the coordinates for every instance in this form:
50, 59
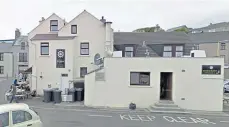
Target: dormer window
22, 45
74, 29
53, 25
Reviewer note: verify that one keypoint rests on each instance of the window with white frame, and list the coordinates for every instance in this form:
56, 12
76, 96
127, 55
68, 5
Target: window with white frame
44, 48
23, 57
23, 46
1, 56
140, 78
84, 48
53, 25
1, 69
167, 51
74, 29
129, 51
179, 51
83, 71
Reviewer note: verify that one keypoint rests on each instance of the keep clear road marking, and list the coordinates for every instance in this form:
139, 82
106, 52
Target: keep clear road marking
100, 115
148, 118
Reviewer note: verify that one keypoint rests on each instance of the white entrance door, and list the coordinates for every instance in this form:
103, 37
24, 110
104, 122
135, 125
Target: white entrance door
64, 82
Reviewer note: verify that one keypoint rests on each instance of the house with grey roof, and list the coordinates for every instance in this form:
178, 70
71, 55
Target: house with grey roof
13, 55
171, 44
217, 27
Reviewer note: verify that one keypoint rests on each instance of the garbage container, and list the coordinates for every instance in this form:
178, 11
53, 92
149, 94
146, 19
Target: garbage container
47, 95
57, 96
72, 92
52, 97
79, 92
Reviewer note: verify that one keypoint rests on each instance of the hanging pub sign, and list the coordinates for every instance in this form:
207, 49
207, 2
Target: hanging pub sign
60, 58
211, 69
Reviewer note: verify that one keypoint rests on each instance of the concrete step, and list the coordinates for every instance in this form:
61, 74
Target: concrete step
166, 102
166, 108
165, 105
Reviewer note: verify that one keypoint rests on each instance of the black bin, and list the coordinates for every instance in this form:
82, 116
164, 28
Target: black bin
79, 94
57, 96
72, 92
52, 96
47, 95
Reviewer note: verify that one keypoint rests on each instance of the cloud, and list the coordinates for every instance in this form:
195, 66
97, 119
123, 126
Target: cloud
126, 15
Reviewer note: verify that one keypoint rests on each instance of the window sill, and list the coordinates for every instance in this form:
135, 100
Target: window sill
136, 86
84, 55
44, 56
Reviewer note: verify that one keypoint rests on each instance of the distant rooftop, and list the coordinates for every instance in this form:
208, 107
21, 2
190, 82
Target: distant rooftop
7, 41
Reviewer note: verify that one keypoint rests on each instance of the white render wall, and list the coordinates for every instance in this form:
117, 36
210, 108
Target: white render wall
8, 65
201, 92
46, 65
89, 29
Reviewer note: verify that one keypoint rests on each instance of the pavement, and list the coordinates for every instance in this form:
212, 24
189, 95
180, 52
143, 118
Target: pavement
77, 115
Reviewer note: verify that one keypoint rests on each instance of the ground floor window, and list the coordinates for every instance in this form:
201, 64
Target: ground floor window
140, 78
83, 71
1, 69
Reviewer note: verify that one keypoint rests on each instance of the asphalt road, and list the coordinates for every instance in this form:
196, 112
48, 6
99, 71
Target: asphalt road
68, 117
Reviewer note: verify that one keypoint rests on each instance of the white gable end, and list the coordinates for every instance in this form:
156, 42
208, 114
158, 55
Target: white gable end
44, 26
86, 24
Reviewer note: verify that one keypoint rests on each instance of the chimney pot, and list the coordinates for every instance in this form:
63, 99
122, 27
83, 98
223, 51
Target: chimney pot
17, 33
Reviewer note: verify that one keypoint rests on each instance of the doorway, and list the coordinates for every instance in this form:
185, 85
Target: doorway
166, 86
64, 83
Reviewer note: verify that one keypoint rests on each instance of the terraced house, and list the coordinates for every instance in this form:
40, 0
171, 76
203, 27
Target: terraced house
13, 55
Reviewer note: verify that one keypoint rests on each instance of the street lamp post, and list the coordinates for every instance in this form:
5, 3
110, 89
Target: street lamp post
218, 53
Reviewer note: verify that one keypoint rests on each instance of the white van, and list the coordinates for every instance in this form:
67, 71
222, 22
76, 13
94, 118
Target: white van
18, 115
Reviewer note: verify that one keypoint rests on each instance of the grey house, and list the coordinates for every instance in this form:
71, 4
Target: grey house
159, 44
13, 55
218, 27
171, 44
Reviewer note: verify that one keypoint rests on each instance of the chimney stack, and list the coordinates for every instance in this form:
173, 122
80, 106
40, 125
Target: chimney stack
17, 33
103, 19
42, 19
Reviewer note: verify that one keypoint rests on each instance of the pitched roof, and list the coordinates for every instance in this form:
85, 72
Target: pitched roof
51, 37
5, 47
213, 26
21, 39
151, 37
209, 37
53, 14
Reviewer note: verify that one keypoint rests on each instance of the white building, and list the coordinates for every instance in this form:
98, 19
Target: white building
62, 52
137, 80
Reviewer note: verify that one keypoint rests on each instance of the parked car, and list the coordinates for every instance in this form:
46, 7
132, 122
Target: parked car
18, 115
226, 86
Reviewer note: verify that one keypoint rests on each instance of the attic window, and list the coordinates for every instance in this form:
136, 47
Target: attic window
53, 25
23, 46
74, 29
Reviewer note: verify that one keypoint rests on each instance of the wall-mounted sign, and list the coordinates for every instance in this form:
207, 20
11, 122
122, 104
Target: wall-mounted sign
60, 58
211, 69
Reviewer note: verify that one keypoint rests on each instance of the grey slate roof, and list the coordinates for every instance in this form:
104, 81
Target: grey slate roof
169, 37
21, 39
209, 37
5, 47
151, 38
51, 37
213, 26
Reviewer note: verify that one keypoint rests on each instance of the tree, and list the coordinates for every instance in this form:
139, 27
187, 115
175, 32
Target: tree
182, 30
156, 28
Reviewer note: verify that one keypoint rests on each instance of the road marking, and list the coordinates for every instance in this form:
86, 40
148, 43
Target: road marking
224, 121
100, 115
143, 118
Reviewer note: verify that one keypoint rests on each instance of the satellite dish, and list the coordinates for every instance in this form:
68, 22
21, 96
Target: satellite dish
97, 59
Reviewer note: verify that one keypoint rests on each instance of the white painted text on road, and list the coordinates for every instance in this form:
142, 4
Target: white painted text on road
142, 118
145, 118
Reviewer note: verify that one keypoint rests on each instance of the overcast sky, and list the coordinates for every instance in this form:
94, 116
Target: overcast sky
126, 15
